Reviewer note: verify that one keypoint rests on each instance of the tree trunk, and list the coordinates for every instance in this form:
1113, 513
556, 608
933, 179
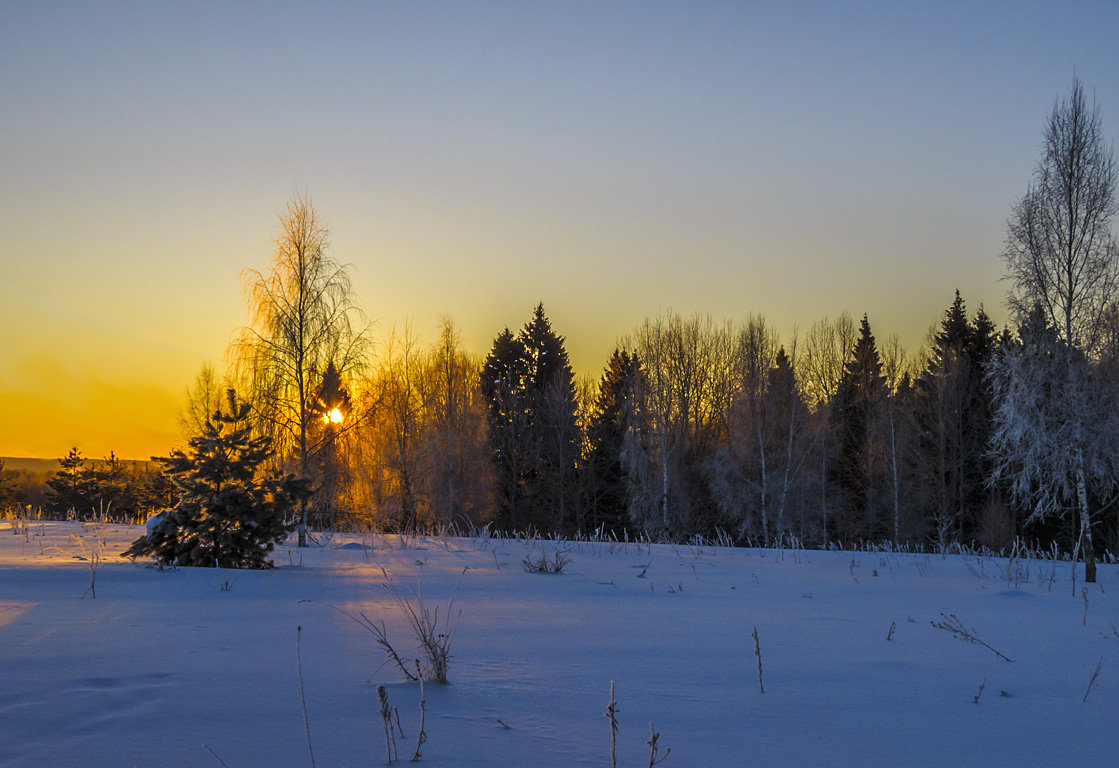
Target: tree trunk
894, 463
664, 487
824, 487
1085, 521
765, 512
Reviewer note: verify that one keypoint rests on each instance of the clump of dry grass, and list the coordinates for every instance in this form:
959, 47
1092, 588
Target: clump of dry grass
541, 563
433, 634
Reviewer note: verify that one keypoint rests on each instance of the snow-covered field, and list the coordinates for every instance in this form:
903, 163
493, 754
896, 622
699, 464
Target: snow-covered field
163, 662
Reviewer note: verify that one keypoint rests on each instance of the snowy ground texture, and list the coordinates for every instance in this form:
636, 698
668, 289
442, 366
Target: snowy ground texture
163, 662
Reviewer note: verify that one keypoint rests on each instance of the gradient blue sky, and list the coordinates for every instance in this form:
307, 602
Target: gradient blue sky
610, 159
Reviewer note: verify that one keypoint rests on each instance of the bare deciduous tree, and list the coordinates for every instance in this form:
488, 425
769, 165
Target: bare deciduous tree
827, 348
1059, 250
400, 396
688, 386
455, 410
203, 399
303, 317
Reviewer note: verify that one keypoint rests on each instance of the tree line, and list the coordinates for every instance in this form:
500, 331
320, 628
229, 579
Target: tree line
696, 426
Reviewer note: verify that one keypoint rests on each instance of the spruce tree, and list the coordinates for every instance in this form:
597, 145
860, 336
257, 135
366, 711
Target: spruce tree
229, 513
607, 497
953, 402
68, 490
534, 437
554, 438
502, 385
859, 399
9, 493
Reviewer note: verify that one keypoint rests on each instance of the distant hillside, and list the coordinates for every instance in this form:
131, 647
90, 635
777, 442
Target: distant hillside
50, 466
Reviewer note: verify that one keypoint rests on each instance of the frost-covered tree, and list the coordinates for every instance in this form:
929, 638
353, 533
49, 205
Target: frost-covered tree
1064, 265
1056, 429
230, 512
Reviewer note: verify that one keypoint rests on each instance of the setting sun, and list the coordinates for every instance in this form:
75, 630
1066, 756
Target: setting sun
334, 417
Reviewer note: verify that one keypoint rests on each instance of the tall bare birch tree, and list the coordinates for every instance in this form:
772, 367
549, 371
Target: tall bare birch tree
303, 317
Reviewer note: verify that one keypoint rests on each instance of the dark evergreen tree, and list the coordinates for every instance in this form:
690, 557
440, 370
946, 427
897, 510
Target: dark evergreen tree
608, 434
229, 514
858, 470
68, 490
953, 410
115, 489
9, 494
502, 384
155, 489
946, 390
554, 439
534, 437
995, 525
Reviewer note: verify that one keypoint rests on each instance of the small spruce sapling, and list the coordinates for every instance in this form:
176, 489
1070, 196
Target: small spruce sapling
230, 514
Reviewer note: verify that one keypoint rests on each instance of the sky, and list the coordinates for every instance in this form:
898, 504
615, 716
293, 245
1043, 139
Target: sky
613, 160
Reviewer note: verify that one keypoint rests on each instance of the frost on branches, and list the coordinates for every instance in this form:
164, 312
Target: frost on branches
1055, 439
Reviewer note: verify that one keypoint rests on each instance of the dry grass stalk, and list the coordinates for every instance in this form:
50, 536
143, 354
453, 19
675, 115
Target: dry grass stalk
302, 695
654, 752
434, 637
386, 717
215, 756
421, 738
611, 714
758, 653
1092, 681
953, 624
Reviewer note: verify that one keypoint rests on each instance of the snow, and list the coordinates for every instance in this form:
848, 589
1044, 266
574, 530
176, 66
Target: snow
163, 662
